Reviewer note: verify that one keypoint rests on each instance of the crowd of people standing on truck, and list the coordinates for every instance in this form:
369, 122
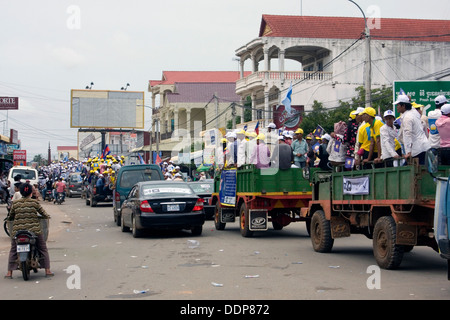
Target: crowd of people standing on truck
364, 141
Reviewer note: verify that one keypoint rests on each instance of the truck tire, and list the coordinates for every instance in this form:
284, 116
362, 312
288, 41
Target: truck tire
218, 224
244, 221
387, 254
320, 231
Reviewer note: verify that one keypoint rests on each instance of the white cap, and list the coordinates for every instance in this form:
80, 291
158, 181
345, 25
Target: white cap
272, 125
445, 109
326, 136
231, 135
388, 113
403, 98
280, 137
358, 111
440, 99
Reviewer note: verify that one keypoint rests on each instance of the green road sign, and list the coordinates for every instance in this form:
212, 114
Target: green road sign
422, 92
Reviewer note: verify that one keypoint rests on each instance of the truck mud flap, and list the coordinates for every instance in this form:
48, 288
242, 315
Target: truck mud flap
406, 234
227, 215
339, 227
258, 220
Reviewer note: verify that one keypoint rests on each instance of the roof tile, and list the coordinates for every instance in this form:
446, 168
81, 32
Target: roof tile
352, 28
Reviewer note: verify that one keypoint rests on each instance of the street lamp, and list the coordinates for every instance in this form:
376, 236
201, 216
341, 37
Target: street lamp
368, 64
87, 87
125, 88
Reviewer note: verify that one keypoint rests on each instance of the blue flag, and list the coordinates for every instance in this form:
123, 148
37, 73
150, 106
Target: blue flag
140, 159
316, 147
288, 100
349, 162
318, 131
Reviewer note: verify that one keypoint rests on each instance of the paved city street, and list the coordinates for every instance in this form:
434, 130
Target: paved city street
93, 259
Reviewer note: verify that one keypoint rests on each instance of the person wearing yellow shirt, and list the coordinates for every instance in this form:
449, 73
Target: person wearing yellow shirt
369, 138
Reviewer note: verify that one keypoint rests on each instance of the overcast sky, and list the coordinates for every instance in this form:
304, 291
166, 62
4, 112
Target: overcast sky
48, 47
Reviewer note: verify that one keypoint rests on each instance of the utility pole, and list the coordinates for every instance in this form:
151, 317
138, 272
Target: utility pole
233, 115
368, 62
217, 110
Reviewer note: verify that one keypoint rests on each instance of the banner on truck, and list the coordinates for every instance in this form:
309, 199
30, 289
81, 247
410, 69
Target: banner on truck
356, 186
227, 190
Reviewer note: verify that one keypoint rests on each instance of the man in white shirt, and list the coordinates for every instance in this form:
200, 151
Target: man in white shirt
414, 140
388, 134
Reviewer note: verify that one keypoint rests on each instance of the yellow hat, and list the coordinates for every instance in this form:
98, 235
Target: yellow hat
242, 131
370, 111
416, 105
223, 140
260, 136
299, 130
251, 134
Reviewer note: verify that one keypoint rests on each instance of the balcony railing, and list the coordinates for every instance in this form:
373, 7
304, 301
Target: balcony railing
258, 77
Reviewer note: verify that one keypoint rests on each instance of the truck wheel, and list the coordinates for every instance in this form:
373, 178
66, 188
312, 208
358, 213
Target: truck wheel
244, 221
321, 232
219, 225
387, 254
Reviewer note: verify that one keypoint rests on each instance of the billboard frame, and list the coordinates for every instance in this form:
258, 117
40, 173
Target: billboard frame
107, 92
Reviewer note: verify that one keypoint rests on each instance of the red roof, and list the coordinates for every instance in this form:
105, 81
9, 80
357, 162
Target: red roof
171, 77
351, 28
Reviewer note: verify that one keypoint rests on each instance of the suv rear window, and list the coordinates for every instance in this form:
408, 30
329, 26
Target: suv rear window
26, 174
131, 177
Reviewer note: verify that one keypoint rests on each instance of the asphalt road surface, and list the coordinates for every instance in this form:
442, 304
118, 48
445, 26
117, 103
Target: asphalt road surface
93, 260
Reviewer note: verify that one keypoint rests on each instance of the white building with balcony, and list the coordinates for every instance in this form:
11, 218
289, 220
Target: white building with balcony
324, 58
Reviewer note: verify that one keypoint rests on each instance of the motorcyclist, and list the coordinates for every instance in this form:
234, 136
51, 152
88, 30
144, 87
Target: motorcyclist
24, 214
60, 187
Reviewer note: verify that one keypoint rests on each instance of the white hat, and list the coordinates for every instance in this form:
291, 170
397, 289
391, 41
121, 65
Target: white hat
403, 98
440, 99
358, 111
280, 137
389, 113
326, 136
272, 125
231, 135
445, 109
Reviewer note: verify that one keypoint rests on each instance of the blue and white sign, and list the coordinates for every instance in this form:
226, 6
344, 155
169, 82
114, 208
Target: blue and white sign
356, 186
227, 190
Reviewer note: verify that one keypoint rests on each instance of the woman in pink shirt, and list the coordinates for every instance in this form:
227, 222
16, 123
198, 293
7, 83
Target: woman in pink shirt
443, 126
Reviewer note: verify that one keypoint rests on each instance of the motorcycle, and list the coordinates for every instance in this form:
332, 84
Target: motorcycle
28, 256
48, 195
59, 198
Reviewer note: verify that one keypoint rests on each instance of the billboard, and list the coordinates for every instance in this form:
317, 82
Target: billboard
9, 103
20, 157
288, 121
422, 92
106, 109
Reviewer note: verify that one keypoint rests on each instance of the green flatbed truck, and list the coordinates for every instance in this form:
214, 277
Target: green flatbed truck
392, 206
261, 196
